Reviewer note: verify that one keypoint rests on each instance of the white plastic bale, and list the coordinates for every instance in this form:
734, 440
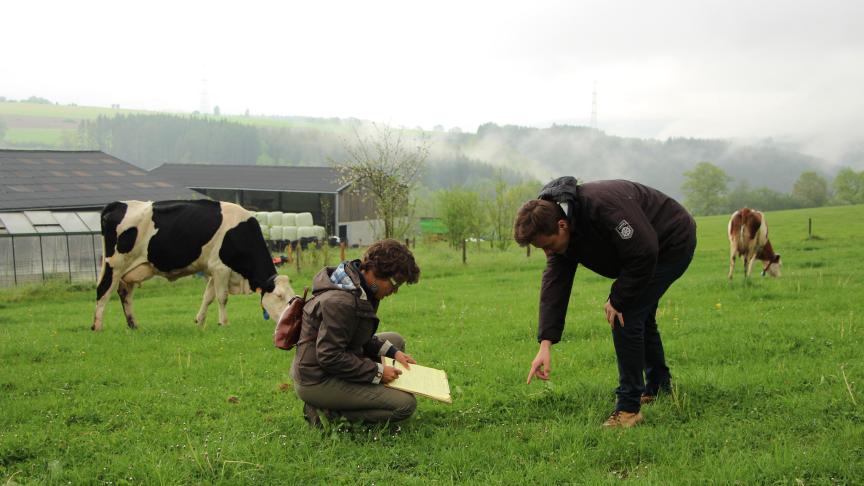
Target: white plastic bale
289, 219
320, 232
304, 219
276, 233
289, 233
274, 218
305, 232
265, 230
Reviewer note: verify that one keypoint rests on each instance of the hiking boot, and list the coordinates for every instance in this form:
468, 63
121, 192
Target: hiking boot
620, 418
645, 399
310, 413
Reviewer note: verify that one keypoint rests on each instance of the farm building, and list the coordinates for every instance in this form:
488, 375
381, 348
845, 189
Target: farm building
314, 190
49, 210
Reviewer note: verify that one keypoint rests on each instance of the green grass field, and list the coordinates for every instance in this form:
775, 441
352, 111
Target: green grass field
768, 380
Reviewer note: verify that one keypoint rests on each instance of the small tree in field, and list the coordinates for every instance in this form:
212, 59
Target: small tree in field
811, 189
384, 168
848, 186
460, 211
705, 189
503, 206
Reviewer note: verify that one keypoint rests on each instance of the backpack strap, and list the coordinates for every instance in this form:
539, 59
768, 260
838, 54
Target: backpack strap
315, 335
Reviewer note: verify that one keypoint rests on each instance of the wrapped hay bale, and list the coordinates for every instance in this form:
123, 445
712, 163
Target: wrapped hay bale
320, 232
274, 218
289, 219
304, 219
289, 233
276, 233
307, 232
265, 230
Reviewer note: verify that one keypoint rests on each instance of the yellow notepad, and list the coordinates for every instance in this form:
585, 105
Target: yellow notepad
420, 380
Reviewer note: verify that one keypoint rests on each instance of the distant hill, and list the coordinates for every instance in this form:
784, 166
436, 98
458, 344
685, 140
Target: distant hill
149, 139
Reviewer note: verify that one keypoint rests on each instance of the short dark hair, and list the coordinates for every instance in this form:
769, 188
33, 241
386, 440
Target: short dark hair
390, 259
536, 217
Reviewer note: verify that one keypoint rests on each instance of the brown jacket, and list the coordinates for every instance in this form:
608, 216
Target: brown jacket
345, 323
621, 230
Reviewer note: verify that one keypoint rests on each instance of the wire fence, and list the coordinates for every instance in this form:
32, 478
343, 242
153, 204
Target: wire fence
39, 257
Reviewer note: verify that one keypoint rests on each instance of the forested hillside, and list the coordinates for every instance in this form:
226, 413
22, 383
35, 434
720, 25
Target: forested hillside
456, 158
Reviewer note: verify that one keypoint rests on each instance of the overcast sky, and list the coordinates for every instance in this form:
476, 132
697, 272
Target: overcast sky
705, 68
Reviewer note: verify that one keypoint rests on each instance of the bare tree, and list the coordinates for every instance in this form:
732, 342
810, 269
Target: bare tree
384, 168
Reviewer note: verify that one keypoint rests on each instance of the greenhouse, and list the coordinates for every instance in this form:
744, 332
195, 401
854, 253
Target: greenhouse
37, 246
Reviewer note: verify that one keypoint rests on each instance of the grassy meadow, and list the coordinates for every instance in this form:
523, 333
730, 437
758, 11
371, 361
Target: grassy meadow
768, 379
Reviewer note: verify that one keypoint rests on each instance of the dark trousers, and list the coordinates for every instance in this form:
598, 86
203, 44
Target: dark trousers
638, 346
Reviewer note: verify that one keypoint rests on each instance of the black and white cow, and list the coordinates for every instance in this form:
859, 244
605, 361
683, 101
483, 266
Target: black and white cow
174, 239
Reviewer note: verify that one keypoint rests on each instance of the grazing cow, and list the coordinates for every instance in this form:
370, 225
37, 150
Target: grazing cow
748, 237
179, 238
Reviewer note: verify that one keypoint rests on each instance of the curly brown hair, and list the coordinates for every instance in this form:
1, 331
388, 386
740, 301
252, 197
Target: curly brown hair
536, 217
389, 258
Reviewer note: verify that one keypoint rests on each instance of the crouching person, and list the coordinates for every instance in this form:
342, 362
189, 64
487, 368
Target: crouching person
337, 368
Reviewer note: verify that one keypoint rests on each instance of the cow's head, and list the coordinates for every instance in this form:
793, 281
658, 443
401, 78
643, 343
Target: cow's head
275, 301
772, 266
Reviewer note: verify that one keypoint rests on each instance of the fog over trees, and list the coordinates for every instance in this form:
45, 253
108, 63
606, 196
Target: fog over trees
456, 158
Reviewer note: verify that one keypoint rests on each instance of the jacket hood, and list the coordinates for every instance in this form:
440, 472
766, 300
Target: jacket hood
321, 282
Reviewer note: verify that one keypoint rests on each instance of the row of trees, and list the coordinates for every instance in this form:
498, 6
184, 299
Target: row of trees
151, 140
385, 166
487, 212
706, 191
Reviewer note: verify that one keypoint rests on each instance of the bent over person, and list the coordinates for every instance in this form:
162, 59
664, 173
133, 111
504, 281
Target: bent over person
622, 230
337, 368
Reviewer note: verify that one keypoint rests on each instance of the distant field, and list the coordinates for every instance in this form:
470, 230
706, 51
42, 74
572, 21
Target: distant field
33, 123
768, 379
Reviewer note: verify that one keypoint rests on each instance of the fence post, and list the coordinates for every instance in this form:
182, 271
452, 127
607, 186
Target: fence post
528, 251
68, 258
341, 251
42, 257
464, 255
14, 262
297, 256
95, 263
809, 228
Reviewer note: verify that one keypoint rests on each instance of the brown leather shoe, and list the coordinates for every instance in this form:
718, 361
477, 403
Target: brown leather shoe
645, 399
622, 419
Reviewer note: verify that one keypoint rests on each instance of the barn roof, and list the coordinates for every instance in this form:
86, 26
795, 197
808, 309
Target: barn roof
46, 179
252, 177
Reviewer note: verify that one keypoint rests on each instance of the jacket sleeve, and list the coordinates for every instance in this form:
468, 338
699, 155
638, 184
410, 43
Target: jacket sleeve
338, 323
636, 246
377, 347
554, 296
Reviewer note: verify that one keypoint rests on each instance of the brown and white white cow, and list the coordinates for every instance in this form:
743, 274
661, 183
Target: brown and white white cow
748, 237
174, 239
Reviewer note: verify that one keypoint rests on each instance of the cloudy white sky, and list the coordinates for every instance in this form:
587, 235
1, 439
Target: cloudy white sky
662, 68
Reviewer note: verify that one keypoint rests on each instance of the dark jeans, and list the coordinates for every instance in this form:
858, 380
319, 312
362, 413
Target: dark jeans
638, 346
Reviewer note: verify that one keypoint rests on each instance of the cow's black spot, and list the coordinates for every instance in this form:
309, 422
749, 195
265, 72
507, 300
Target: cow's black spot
112, 214
245, 251
183, 227
105, 283
127, 240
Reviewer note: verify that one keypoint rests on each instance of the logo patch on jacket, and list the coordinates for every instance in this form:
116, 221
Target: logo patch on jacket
625, 231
